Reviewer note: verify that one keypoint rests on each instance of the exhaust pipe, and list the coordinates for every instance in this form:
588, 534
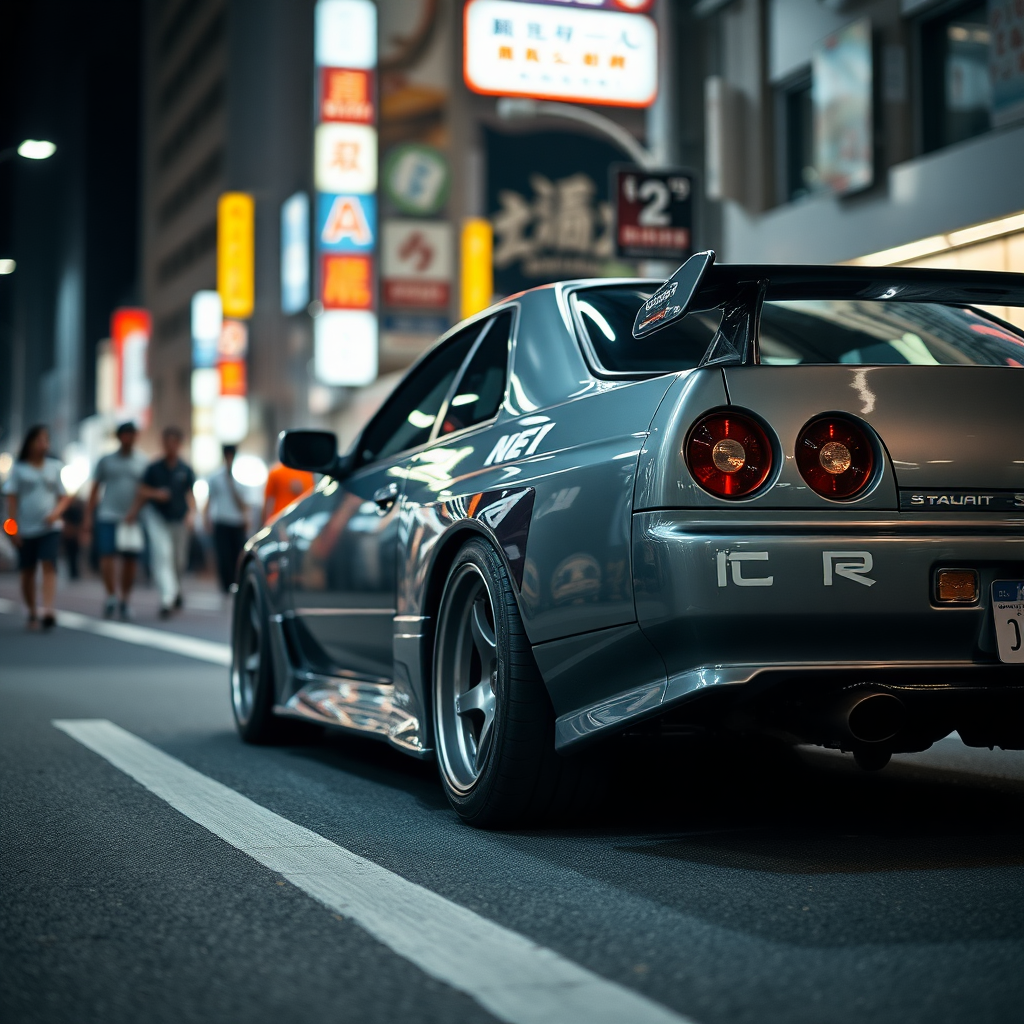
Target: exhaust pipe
871, 717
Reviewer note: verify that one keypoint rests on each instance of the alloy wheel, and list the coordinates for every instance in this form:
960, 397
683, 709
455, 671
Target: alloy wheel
466, 679
245, 670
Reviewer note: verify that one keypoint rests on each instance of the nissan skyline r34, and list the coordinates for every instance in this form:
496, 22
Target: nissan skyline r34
772, 501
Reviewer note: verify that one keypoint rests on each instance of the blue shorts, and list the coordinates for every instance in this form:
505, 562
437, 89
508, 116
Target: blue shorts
106, 541
34, 550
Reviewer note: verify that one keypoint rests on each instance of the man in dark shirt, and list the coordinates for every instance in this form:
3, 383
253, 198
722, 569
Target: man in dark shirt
167, 505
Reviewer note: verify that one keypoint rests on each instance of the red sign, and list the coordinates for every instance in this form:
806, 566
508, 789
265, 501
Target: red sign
130, 331
654, 214
346, 95
416, 294
346, 282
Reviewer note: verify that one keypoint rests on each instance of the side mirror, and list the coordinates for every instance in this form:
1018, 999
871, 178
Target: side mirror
674, 297
315, 451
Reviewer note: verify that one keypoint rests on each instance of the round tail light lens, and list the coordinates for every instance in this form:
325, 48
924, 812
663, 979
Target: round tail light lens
729, 454
835, 456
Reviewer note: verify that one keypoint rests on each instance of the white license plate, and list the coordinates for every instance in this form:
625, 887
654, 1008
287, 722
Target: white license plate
1008, 612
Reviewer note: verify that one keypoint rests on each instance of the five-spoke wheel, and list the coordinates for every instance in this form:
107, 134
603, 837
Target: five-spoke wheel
467, 677
493, 722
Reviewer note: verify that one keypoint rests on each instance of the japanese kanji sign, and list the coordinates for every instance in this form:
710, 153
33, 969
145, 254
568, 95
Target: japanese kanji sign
547, 195
564, 53
653, 214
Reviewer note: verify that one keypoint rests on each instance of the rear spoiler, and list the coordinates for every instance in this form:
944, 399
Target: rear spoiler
739, 290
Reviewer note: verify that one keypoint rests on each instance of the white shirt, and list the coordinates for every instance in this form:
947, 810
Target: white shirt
37, 489
222, 506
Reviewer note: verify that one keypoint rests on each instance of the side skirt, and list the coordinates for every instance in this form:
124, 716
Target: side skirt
355, 705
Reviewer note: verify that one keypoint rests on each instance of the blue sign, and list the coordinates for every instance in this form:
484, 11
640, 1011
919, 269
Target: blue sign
295, 253
345, 223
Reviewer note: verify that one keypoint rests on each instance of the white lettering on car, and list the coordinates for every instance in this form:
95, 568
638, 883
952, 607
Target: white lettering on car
512, 446
851, 565
733, 560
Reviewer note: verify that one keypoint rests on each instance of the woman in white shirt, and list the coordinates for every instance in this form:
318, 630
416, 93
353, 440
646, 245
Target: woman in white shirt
35, 501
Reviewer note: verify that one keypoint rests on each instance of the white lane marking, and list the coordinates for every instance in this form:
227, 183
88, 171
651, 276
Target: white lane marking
176, 643
508, 975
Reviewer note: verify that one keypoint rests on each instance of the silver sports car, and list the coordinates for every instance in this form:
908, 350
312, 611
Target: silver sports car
772, 501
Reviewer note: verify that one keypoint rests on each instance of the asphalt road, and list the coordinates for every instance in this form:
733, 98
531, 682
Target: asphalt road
723, 889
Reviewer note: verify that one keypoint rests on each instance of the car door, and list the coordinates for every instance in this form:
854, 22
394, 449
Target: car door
344, 589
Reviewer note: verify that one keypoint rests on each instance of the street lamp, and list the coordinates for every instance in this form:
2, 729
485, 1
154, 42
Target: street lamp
513, 109
30, 149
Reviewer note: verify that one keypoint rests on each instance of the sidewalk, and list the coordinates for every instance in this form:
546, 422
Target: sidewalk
206, 614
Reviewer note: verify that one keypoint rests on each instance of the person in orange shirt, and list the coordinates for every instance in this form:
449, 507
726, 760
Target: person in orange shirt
284, 486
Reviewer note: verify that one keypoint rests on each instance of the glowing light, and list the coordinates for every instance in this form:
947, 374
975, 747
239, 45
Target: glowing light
201, 492
10, 527
6, 461
7, 266
249, 470
75, 473
36, 149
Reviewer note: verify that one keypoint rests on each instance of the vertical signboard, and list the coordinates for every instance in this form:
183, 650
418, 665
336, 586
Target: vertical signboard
295, 253
130, 331
345, 176
235, 256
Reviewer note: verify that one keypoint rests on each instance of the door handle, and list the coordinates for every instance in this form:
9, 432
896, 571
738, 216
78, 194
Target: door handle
385, 497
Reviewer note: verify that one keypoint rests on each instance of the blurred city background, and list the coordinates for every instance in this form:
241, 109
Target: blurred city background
239, 216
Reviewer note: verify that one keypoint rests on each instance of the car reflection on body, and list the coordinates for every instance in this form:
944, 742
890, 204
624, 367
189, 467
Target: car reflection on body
765, 500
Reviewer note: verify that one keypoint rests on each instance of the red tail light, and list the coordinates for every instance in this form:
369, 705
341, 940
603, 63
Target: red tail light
729, 454
835, 457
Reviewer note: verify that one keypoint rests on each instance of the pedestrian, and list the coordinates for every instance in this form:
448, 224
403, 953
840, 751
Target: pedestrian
35, 501
226, 519
167, 506
284, 485
114, 488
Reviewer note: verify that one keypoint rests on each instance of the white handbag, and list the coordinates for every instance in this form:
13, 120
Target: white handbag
129, 538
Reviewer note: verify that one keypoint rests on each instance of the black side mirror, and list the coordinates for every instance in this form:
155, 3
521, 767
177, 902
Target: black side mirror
315, 451
674, 297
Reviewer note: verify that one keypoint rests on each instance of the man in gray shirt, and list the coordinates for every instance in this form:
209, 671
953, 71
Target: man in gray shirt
115, 484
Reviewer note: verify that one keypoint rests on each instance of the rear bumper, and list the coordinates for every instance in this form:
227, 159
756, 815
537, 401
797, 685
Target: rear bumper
753, 607
816, 590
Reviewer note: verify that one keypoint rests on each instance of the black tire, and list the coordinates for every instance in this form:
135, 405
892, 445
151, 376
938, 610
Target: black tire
500, 771
252, 672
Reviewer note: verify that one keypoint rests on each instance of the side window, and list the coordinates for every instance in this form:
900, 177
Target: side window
480, 392
407, 417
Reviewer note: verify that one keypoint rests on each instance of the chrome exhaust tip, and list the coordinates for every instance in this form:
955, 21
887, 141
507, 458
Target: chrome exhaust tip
874, 717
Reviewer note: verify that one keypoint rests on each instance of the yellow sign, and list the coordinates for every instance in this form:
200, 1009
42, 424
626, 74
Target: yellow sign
477, 265
235, 259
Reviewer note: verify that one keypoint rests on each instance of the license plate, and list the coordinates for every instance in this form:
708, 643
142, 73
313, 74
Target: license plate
1008, 610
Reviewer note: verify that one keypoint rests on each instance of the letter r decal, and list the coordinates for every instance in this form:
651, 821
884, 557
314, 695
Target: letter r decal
851, 565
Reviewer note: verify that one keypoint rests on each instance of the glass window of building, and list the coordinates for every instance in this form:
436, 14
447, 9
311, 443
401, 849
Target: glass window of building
956, 89
795, 119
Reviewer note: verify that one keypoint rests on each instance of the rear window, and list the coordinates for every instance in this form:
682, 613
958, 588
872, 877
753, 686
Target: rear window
607, 315
830, 331
858, 333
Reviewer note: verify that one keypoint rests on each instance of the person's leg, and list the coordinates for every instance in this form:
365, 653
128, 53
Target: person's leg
222, 551
49, 549
180, 538
28, 592
161, 549
237, 538
49, 591
107, 572
127, 576
106, 547
71, 549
